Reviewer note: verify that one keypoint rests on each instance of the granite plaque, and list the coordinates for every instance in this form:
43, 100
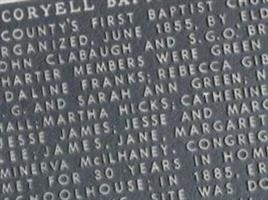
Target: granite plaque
133, 99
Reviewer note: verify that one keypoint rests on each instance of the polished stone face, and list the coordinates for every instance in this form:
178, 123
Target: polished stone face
133, 99
13, 1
